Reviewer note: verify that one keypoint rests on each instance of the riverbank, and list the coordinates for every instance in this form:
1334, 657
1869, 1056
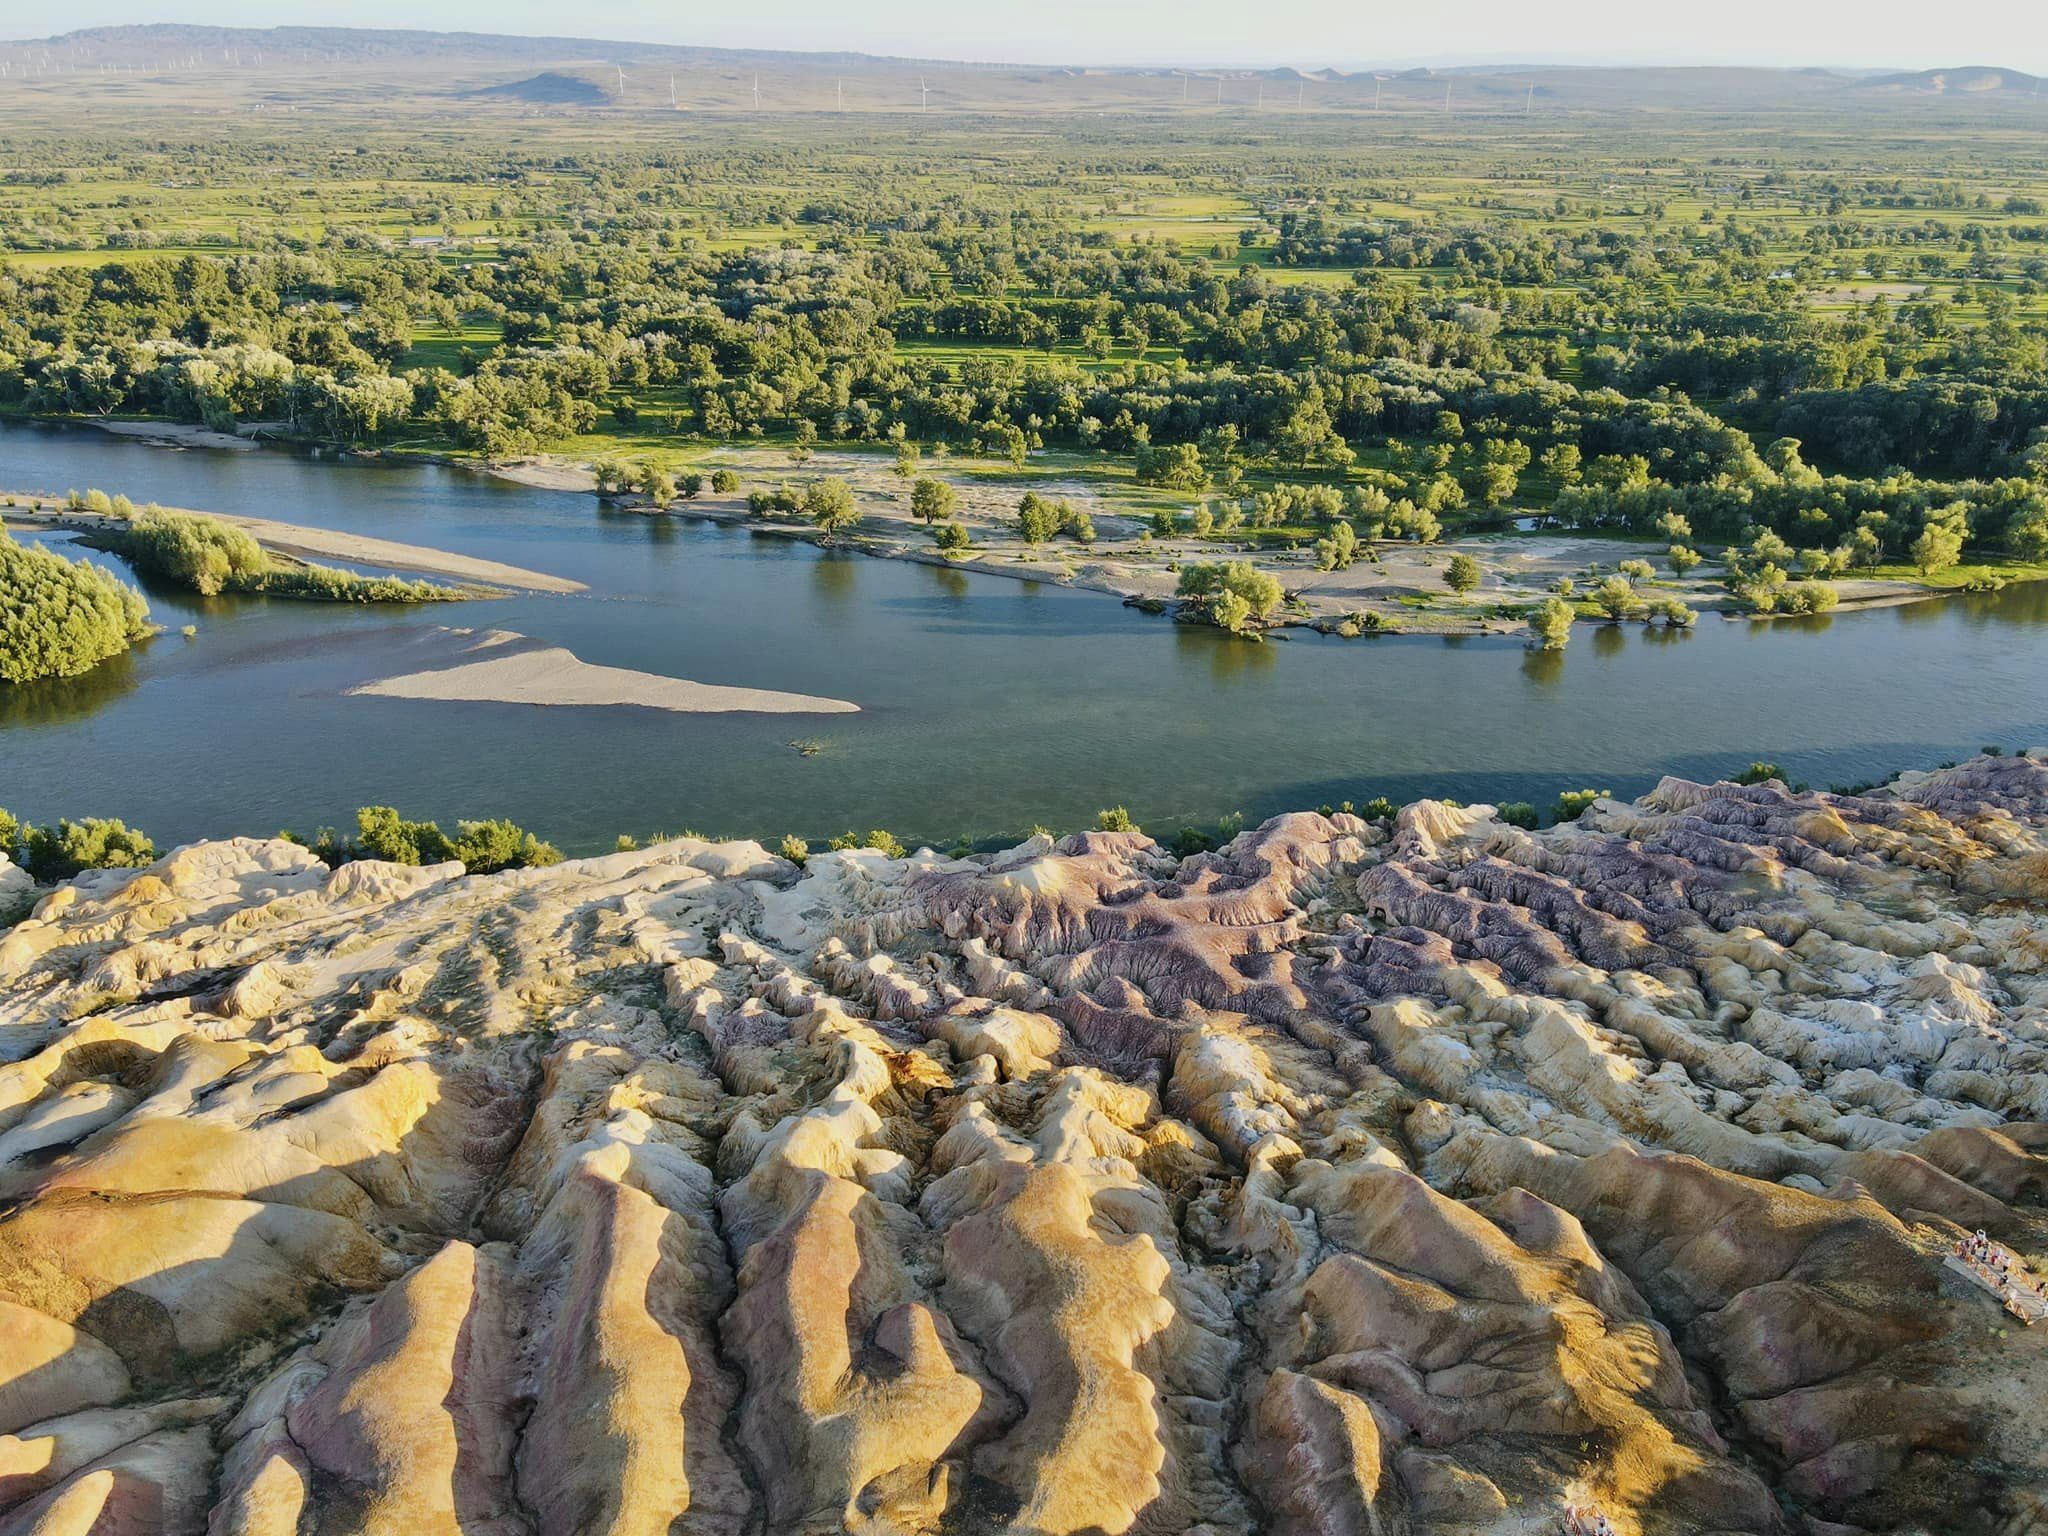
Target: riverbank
294, 540
1393, 586
171, 434
1404, 587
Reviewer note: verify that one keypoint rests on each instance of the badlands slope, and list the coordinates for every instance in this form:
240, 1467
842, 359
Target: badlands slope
1361, 1178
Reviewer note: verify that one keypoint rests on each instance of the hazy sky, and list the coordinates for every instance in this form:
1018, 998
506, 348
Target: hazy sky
1869, 33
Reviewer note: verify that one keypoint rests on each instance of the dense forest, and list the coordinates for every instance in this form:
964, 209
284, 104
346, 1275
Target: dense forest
1791, 342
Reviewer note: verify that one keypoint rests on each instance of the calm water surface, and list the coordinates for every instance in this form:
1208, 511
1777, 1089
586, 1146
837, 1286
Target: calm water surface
988, 704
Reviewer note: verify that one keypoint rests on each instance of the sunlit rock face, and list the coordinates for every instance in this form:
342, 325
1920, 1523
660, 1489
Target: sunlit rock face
1417, 1177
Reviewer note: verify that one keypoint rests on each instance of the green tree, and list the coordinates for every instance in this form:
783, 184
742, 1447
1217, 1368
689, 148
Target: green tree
1178, 467
1940, 542
829, 504
1037, 518
932, 500
1462, 574
654, 483
1616, 598
1338, 549
1550, 621
59, 617
1563, 463
1231, 596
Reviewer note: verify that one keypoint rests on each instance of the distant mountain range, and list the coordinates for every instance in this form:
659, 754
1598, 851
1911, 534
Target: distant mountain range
306, 68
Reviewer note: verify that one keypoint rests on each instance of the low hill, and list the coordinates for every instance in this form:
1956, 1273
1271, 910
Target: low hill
1944, 82
550, 88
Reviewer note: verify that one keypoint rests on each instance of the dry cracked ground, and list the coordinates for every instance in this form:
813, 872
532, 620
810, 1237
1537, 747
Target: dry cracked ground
1412, 1177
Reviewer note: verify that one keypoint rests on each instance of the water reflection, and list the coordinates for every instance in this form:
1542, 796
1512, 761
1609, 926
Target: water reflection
1229, 658
56, 700
834, 578
950, 581
1541, 667
1609, 640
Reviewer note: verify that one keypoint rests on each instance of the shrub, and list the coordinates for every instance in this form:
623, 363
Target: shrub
1757, 773
61, 617
795, 849
202, 553
481, 847
1115, 819
485, 847
1573, 802
1809, 597
950, 537
1378, 808
10, 832
1462, 574
724, 481
1518, 813
59, 852
884, 843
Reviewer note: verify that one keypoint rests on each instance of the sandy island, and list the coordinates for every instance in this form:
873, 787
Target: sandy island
328, 544
498, 666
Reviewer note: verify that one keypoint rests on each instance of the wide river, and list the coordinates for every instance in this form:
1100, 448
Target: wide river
988, 705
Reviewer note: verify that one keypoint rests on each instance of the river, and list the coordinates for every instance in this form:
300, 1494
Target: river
988, 705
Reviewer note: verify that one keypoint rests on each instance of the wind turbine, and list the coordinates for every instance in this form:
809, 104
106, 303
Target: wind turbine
1447, 95
622, 76
1219, 89
1300, 92
757, 93
671, 92
1377, 81
839, 88
923, 95
1529, 101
